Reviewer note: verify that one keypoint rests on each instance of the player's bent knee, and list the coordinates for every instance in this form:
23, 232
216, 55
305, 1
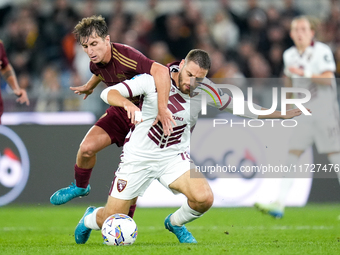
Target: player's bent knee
86, 150
205, 199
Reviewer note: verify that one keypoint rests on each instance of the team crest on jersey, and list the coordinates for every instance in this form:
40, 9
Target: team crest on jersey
121, 184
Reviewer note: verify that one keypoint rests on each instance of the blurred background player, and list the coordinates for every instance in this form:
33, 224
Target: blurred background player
7, 72
111, 63
309, 64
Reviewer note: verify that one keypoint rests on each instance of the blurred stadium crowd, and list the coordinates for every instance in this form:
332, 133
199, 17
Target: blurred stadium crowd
248, 44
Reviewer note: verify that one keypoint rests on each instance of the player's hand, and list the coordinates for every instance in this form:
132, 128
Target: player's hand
130, 108
22, 97
82, 90
293, 113
165, 117
296, 70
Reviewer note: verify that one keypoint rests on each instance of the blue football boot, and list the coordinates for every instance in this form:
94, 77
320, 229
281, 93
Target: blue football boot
64, 195
183, 235
82, 233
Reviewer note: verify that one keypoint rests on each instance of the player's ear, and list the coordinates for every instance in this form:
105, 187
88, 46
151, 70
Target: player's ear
107, 38
181, 64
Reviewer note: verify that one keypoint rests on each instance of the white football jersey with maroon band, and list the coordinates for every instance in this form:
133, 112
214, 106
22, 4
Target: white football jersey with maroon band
316, 59
145, 141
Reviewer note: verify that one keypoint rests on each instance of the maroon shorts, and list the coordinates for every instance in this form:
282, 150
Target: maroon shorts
116, 124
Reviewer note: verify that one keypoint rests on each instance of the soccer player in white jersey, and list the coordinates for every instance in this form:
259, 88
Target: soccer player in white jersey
309, 64
148, 154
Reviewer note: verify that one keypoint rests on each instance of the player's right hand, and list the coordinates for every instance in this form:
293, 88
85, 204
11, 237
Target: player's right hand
82, 90
23, 98
165, 117
296, 70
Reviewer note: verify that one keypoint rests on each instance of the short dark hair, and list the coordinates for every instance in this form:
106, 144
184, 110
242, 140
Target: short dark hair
199, 57
86, 27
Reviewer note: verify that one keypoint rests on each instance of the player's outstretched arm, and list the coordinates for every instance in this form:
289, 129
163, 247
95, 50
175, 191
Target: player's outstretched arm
88, 88
324, 78
11, 79
278, 115
228, 106
161, 76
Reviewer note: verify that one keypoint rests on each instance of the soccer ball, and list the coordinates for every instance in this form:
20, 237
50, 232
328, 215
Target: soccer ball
119, 229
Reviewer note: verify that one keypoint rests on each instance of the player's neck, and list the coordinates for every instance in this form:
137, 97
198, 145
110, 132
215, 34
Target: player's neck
301, 48
107, 56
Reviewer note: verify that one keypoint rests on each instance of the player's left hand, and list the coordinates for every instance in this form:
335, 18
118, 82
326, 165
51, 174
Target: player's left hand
296, 70
82, 90
22, 97
131, 109
165, 117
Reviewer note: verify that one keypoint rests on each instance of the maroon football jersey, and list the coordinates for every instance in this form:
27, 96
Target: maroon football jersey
3, 64
125, 63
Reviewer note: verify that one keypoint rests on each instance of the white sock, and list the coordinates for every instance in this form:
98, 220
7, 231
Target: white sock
334, 158
286, 183
90, 220
184, 215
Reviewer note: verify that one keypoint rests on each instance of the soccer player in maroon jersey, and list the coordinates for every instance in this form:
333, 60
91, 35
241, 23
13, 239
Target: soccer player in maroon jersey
7, 72
111, 63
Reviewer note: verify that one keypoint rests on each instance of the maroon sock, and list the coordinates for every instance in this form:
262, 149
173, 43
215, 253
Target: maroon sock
82, 176
132, 210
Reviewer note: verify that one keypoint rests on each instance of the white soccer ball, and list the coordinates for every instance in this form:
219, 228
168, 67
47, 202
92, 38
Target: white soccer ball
119, 229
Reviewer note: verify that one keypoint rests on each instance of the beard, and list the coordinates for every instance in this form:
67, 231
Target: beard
180, 81
181, 86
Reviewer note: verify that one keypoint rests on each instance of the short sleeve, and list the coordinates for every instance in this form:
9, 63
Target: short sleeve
326, 61
139, 85
142, 84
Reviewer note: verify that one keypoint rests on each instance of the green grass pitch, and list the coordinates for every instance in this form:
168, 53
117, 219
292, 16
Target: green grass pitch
48, 230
